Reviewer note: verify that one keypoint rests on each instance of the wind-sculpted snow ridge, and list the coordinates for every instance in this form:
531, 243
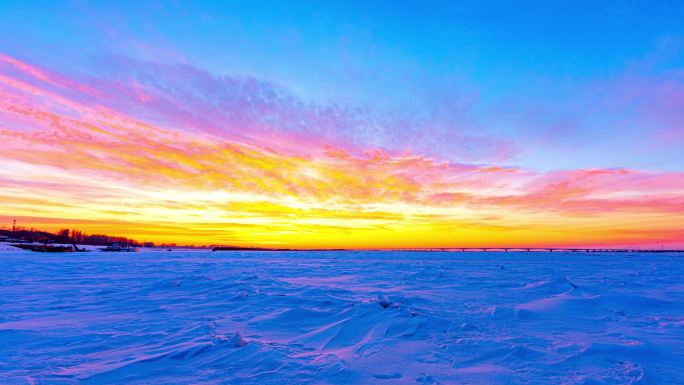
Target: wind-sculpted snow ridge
341, 318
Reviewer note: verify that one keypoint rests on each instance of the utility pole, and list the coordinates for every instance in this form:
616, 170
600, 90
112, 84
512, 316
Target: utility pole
14, 226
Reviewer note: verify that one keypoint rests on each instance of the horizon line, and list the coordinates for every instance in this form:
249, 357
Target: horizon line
646, 247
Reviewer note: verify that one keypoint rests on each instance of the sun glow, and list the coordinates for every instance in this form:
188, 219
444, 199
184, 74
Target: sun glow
70, 160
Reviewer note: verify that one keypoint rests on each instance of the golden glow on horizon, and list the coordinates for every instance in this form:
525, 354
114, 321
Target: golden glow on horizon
68, 163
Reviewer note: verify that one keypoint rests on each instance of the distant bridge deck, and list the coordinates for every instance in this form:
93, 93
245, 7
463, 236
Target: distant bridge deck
466, 249
547, 249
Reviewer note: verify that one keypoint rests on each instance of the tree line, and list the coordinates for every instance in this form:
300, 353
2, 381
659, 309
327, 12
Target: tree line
67, 236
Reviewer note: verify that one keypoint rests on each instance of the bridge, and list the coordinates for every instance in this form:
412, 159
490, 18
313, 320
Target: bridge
546, 249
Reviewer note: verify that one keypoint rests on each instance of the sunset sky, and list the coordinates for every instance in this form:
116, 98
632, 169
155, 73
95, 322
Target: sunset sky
345, 124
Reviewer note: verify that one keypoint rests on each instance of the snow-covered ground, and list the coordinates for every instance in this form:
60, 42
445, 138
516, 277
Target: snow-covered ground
341, 318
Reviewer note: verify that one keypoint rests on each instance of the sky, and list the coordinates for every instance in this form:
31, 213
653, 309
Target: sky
346, 124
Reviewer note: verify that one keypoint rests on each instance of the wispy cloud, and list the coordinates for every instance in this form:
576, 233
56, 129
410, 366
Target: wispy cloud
195, 156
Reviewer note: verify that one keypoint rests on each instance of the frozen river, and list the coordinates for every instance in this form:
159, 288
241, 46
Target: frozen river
185, 317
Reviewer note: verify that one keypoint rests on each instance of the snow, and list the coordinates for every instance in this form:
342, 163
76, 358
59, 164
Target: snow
184, 317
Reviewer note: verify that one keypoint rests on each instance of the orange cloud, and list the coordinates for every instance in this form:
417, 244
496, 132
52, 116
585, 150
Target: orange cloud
70, 161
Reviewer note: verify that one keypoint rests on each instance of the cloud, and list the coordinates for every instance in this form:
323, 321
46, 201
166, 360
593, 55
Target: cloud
258, 112
186, 150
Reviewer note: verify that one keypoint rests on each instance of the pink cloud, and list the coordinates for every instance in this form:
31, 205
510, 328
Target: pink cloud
186, 138
264, 114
